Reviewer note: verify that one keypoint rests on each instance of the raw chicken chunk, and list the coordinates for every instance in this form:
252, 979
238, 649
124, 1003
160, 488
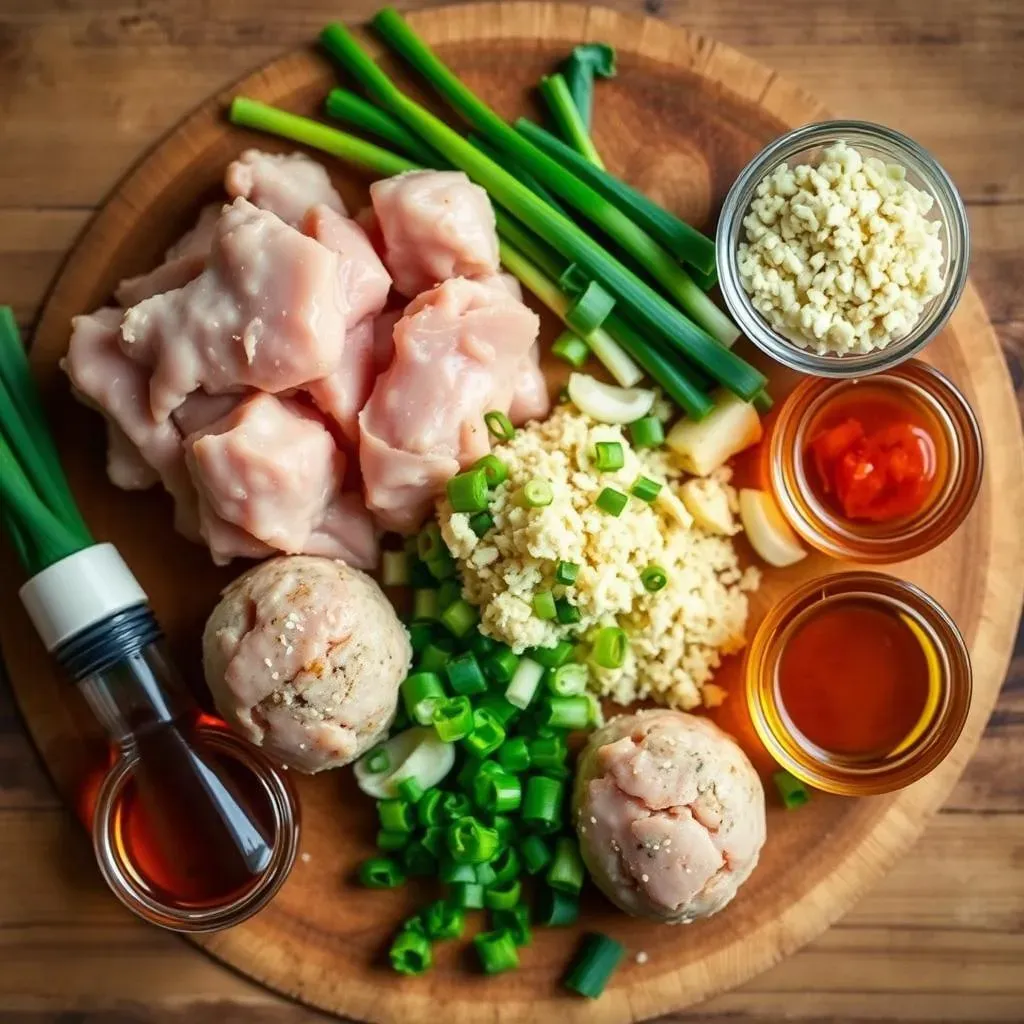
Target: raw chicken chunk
348, 532
183, 261
103, 375
286, 184
436, 225
384, 338
267, 467
126, 468
343, 394
467, 340
530, 399
267, 312
364, 280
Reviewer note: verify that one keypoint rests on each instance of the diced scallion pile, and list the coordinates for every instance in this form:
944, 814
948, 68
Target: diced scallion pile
501, 815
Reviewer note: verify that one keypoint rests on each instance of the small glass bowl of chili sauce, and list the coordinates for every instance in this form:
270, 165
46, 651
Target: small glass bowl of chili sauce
858, 683
878, 468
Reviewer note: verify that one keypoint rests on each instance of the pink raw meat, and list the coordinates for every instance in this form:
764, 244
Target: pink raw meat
267, 467
267, 312
364, 280
103, 375
467, 339
183, 261
341, 395
436, 225
286, 184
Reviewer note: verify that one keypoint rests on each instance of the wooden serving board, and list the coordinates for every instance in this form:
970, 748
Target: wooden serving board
680, 121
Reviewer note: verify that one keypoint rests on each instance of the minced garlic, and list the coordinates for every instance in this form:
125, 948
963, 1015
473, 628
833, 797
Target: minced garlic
677, 635
842, 257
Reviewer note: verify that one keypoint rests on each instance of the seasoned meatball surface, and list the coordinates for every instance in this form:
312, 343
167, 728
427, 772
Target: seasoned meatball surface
304, 657
670, 815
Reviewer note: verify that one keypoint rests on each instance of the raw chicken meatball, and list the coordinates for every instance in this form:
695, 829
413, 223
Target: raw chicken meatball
304, 657
670, 815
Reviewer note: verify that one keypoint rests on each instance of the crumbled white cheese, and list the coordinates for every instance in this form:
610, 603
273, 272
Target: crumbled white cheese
841, 257
678, 635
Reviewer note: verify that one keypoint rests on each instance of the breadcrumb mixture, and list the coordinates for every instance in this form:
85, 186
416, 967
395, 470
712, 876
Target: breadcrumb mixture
678, 635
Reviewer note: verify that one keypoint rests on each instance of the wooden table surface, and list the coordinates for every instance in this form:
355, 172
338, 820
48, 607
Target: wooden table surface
86, 86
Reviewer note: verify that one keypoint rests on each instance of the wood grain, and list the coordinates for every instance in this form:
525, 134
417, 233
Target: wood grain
836, 993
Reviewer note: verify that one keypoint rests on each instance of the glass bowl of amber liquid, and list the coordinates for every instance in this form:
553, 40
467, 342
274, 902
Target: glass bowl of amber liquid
876, 469
858, 683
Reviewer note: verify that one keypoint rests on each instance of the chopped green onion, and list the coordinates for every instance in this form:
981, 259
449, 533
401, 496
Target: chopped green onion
481, 523
428, 807
568, 614
567, 117
421, 694
418, 860
566, 573
535, 493
503, 896
448, 593
544, 605
420, 634
487, 735
653, 578
555, 909
535, 853
547, 751
566, 871
499, 425
425, 604
552, 657
420, 575
501, 666
429, 543
455, 806
435, 839
647, 432
608, 456
590, 310
396, 815
793, 792
460, 617
465, 676
506, 864
495, 471
514, 755
469, 842
435, 655
515, 922
467, 491
593, 967
485, 876
523, 687
497, 952
645, 489
506, 829
443, 921
441, 566
497, 792
381, 873
573, 280
496, 705
571, 712
571, 348
391, 842
453, 719
410, 791
467, 895
610, 647
568, 680
396, 569
410, 953
377, 761
612, 501
452, 872
542, 803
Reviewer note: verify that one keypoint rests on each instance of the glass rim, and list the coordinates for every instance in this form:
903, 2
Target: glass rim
737, 202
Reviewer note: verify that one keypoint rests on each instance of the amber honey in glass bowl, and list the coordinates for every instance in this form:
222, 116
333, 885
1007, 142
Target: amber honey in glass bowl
919, 403
858, 683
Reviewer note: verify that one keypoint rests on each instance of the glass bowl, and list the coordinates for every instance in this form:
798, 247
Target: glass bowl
959, 456
805, 145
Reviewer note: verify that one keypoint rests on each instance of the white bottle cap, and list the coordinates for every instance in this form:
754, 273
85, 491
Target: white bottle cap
79, 590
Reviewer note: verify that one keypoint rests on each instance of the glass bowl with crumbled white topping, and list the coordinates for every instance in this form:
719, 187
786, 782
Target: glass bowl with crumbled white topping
842, 248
